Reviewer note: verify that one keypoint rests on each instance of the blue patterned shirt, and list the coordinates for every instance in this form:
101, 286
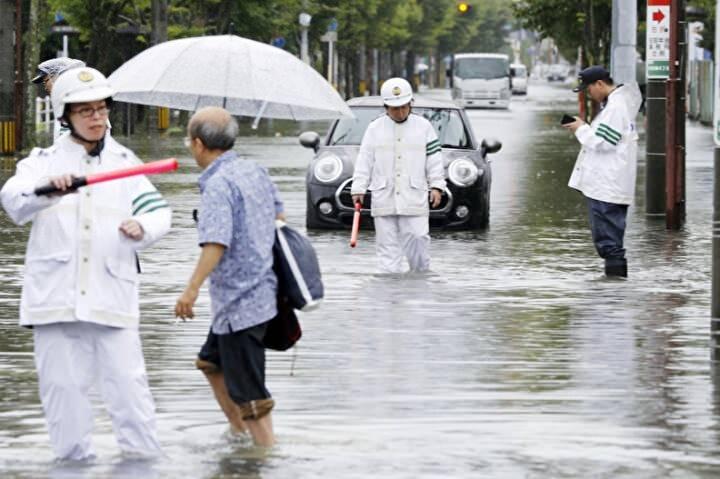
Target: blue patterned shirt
238, 208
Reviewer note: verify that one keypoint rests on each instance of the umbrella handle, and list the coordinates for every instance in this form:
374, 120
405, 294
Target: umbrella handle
355, 225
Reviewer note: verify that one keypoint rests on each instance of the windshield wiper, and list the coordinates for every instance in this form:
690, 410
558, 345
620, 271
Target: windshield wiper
341, 138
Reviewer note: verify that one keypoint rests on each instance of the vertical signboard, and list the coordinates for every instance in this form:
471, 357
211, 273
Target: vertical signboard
658, 39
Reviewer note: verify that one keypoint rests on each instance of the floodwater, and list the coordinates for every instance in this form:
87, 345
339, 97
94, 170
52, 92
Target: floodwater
514, 358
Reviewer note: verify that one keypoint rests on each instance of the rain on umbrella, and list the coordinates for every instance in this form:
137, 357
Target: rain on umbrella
243, 76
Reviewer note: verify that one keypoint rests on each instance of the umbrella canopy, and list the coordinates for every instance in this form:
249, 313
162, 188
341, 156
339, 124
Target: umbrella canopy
243, 76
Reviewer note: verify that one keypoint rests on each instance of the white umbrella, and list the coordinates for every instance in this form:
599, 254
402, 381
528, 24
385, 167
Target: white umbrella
243, 76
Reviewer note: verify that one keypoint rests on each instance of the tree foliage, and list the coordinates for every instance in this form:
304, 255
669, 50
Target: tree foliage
112, 31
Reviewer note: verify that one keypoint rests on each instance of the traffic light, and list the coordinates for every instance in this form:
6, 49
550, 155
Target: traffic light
464, 8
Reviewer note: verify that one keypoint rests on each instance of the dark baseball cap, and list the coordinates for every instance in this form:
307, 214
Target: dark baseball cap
591, 75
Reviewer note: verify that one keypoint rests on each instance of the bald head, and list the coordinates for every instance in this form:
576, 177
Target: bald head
215, 127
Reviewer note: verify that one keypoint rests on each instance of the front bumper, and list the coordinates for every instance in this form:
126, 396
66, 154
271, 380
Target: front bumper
341, 215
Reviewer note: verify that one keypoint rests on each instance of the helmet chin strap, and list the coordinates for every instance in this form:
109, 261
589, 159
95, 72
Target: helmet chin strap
97, 146
404, 120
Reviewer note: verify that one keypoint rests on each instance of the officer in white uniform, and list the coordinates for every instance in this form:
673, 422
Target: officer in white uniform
399, 163
80, 285
47, 72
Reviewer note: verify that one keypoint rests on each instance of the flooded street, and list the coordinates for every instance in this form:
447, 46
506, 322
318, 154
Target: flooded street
514, 358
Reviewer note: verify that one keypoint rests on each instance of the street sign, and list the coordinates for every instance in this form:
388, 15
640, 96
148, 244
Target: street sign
332, 26
716, 109
658, 39
329, 37
63, 29
278, 42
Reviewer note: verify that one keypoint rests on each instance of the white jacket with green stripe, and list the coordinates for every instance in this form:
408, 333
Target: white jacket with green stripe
78, 266
398, 163
606, 167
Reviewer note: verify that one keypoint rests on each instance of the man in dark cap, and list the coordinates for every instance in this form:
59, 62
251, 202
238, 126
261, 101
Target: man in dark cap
605, 169
49, 70
47, 73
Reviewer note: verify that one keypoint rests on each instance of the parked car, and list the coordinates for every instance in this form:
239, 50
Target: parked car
557, 72
519, 75
465, 204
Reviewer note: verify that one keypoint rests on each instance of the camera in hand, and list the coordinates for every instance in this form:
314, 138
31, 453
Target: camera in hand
566, 119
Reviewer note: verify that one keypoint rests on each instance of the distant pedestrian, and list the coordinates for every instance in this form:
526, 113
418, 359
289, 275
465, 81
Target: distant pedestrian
236, 227
80, 284
605, 169
400, 164
47, 72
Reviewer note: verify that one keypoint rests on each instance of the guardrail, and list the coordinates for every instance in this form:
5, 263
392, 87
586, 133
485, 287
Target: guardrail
44, 117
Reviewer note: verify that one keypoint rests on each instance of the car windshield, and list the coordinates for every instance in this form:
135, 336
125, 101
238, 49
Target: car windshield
467, 68
518, 72
448, 126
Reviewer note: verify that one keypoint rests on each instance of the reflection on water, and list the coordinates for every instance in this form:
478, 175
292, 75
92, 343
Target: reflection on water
513, 358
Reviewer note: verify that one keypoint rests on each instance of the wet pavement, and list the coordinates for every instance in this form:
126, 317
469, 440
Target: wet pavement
514, 358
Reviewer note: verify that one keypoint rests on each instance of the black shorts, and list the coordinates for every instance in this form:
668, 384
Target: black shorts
241, 356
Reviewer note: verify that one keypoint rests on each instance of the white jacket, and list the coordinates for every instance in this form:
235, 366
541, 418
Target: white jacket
78, 266
397, 162
606, 167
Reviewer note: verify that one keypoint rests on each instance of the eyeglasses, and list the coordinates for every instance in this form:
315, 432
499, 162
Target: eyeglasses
88, 111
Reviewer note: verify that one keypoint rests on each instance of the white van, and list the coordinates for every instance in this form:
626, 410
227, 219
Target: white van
481, 80
519, 76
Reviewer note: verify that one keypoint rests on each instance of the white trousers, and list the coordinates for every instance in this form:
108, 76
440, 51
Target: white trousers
402, 236
70, 358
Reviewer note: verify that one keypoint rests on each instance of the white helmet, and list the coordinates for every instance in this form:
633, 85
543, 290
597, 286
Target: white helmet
79, 85
396, 92
55, 66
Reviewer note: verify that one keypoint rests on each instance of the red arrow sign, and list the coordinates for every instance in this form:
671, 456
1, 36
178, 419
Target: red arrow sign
658, 16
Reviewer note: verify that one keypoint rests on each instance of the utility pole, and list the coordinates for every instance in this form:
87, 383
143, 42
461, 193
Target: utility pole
304, 19
159, 22
657, 70
715, 302
19, 97
675, 125
624, 32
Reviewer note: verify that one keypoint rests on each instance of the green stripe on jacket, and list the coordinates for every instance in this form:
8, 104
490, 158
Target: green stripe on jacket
150, 205
614, 133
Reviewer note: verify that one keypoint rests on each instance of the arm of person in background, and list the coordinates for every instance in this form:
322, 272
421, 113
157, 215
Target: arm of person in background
210, 256
215, 232
434, 169
17, 196
363, 168
279, 207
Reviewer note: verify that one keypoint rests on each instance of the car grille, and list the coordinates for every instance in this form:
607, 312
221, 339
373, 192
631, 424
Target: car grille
344, 199
481, 94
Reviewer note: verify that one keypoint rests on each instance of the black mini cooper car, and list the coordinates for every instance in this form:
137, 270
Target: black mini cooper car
466, 202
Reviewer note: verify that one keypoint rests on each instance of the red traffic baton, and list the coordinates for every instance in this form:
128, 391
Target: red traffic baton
356, 225
152, 168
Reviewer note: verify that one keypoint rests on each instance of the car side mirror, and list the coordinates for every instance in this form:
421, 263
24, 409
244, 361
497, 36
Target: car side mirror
310, 139
490, 146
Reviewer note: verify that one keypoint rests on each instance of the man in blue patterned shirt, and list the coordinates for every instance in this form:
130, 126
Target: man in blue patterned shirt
236, 226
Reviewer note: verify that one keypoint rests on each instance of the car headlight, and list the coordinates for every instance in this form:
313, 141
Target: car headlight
462, 172
328, 168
